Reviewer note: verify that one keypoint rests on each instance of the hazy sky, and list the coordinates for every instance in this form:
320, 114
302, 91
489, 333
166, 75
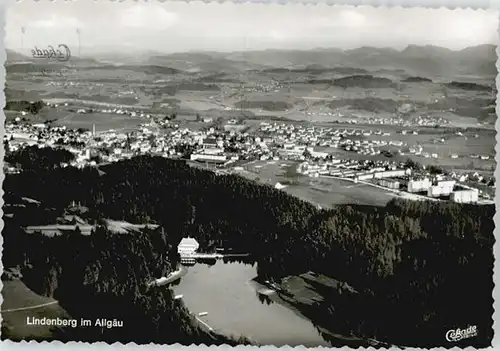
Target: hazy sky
178, 26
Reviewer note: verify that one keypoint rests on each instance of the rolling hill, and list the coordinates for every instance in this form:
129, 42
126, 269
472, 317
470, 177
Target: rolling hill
415, 60
16, 57
426, 61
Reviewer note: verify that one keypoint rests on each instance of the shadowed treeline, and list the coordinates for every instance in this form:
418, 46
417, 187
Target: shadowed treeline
411, 263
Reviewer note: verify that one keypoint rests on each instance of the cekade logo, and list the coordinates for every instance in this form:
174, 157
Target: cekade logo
61, 54
455, 335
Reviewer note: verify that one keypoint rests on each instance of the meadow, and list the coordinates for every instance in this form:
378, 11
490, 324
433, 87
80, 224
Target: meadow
20, 303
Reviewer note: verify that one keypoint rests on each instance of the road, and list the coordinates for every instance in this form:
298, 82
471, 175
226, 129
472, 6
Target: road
29, 307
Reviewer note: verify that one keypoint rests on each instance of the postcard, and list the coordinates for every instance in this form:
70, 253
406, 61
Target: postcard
249, 174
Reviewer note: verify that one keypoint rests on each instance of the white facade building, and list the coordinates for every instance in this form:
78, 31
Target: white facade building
465, 196
187, 246
415, 186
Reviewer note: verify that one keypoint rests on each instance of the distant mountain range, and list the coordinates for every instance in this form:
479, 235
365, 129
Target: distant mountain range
414, 60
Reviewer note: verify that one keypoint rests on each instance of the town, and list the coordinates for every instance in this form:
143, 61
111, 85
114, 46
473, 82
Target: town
223, 174
368, 156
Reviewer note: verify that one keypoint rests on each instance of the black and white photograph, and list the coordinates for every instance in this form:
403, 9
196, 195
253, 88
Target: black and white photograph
249, 174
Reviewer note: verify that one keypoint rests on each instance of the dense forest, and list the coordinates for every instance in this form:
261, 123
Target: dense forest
104, 275
418, 268
34, 158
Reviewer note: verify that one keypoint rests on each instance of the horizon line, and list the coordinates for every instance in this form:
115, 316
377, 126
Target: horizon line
122, 49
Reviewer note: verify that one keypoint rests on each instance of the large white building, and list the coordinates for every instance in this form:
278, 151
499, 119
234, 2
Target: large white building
417, 185
444, 187
208, 158
465, 196
187, 246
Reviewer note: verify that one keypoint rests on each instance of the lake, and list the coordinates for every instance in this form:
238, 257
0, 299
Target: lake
227, 292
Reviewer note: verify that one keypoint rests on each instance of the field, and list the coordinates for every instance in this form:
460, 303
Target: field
102, 121
320, 93
439, 141
327, 192
61, 116
296, 95
324, 192
20, 303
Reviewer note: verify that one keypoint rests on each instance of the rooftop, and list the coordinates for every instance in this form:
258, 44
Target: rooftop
188, 242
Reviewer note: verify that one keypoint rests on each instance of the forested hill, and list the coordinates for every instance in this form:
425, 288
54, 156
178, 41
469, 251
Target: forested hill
412, 263
105, 275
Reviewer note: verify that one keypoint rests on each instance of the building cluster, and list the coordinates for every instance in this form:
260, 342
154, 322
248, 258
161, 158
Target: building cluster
355, 169
263, 86
395, 177
132, 112
296, 138
223, 146
416, 121
20, 135
440, 187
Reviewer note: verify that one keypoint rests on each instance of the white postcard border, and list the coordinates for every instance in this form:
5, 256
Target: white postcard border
450, 4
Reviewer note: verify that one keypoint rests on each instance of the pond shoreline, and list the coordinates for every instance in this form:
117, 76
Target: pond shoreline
206, 288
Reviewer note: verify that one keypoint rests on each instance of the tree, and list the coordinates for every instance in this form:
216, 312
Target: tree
434, 169
403, 261
412, 164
